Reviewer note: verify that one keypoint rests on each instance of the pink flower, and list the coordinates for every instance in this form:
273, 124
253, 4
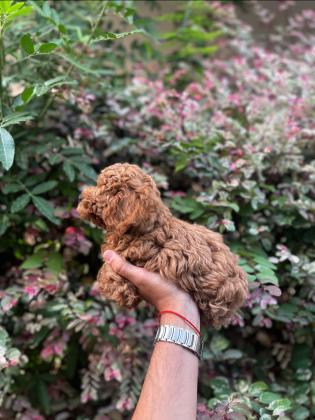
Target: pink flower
124, 320
125, 404
47, 352
59, 348
83, 133
8, 302
51, 288
31, 291
75, 239
3, 362
111, 373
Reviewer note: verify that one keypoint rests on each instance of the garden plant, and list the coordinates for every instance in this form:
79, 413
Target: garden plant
224, 122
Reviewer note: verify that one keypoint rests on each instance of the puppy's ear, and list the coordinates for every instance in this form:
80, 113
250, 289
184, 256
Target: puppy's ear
130, 209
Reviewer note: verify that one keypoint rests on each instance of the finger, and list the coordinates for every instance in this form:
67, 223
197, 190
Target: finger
122, 267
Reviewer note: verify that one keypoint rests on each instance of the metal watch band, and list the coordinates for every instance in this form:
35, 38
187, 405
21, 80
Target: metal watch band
180, 336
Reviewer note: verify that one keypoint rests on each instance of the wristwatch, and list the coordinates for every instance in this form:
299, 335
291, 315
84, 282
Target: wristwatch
180, 336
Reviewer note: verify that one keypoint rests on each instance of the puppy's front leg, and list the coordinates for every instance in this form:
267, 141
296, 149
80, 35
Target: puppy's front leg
117, 288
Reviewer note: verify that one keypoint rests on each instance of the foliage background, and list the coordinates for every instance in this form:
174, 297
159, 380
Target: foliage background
225, 124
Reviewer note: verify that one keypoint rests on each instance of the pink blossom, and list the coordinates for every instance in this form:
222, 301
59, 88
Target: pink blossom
3, 362
94, 290
75, 239
83, 133
47, 352
125, 404
31, 291
234, 99
8, 303
267, 300
51, 288
237, 320
123, 321
112, 373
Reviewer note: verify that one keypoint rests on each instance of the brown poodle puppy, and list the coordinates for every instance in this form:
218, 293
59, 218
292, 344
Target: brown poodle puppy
127, 203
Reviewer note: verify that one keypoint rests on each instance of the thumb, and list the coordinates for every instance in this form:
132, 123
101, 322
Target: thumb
122, 267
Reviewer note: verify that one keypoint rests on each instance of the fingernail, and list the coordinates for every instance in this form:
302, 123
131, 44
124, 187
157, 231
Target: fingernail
108, 256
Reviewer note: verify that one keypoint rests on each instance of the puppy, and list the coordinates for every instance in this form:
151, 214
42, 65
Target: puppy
127, 203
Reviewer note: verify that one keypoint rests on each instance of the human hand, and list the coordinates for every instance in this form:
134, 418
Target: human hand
161, 293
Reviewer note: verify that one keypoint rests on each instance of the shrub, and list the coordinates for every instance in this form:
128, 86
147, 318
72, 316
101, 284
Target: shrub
228, 141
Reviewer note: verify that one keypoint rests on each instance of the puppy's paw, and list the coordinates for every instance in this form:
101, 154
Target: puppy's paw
116, 288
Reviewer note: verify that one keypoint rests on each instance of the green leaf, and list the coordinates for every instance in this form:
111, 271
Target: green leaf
267, 279
27, 44
219, 343
269, 397
55, 263
42, 395
44, 187
232, 354
301, 413
34, 261
220, 385
86, 170
7, 148
42, 89
12, 188
5, 5
189, 50
3, 336
20, 203
17, 10
264, 262
27, 94
16, 118
69, 170
4, 223
279, 406
13, 354
46, 208
78, 65
257, 388
47, 47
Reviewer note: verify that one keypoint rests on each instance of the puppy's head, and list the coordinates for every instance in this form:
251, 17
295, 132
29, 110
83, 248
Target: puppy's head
124, 197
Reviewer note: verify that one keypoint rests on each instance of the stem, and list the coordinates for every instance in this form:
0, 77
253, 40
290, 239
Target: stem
70, 68
25, 188
97, 22
1, 72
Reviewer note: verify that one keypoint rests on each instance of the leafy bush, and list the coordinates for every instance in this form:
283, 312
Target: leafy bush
228, 141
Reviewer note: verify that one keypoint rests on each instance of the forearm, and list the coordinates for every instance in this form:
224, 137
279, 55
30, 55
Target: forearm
169, 391
170, 387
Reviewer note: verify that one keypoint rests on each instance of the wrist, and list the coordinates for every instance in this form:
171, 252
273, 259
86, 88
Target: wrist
188, 311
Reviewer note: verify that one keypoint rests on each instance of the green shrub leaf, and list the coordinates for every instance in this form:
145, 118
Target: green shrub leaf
34, 261
269, 397
27, 44
44, 187
69, 170
46, 208
16, 118
257, 388
20, 203
48, 47
279, 406
7, 148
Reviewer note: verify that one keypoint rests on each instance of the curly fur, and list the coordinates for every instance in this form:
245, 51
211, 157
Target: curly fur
127, 203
